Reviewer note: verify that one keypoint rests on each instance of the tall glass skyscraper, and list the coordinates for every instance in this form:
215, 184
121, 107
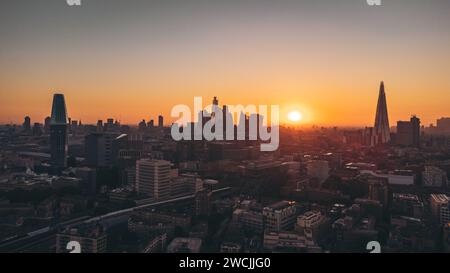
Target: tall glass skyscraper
381, 119
58, 132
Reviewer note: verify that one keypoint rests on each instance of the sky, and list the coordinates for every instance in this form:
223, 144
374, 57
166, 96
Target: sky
136, 59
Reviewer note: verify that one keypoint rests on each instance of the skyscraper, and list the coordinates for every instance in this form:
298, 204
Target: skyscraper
215, 101
99, 126
58, 132
408, 132
47, 124
381, 118
99, 149
160, 121
415, 124
27, 124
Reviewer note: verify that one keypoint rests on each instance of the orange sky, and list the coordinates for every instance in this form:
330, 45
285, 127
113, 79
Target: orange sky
324, 61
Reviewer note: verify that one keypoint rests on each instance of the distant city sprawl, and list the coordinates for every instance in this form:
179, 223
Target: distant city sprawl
224, 135
107, 187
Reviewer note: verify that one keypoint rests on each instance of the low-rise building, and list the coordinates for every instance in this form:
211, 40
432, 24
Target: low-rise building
184, 245
288, 241
440, 207
434, 177
91, 237
280, 216
311, 224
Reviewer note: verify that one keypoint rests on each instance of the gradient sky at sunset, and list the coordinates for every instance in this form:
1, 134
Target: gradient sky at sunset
135, 59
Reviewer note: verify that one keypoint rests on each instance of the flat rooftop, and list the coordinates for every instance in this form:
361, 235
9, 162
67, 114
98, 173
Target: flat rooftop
281, 205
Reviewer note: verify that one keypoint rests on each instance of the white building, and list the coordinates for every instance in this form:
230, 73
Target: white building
153, 178
309, 223
280, 216
309, 219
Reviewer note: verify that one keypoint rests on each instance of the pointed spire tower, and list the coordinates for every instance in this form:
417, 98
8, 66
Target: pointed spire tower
381, 118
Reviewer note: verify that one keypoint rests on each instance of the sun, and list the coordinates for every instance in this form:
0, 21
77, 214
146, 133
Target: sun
295, 116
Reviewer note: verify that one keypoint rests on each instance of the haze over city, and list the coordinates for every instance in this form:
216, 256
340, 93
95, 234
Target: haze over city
134, 60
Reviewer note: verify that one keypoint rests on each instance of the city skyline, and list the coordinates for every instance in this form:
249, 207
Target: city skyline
381, 117
136, 60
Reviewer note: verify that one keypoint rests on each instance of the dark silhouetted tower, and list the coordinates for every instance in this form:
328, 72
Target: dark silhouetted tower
160, 121
415, 125
37, 129
47, 124
99, 149
408, 132
381, 118
27, 124
58, 132
142, 125
99, 126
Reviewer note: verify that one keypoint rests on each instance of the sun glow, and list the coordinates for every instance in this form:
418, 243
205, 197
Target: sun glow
295, 116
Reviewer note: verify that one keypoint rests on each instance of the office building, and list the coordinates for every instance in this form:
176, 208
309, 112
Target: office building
408, 132
47, 121
92, 238
311, 224
26, 124
434, 177
287, 241
378, 189
99, 149
37, 129
440, 208
446, 238
88, 180
58, 132
406, 204
153, 178
202, 203
396, 177
280, 216
443, 125
250, 220
160, 121
99, 126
